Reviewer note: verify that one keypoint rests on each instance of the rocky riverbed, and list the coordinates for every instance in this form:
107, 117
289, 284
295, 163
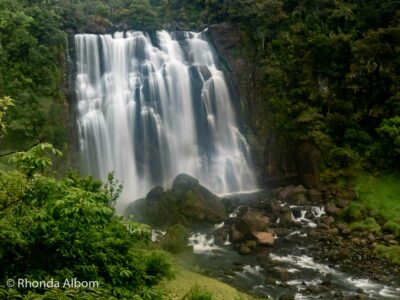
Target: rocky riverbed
284, 243
287, 244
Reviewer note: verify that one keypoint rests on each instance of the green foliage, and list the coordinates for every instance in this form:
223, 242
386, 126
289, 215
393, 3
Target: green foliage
369, 224
32, 48
5, 103
380, 195
389, 131
355, 211
326, 71
113, 189
175, 239
391, 253
36, 160
196, 293
393, 227
66, 228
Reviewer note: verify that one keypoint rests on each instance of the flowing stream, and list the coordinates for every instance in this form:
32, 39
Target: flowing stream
153, 106
285, 270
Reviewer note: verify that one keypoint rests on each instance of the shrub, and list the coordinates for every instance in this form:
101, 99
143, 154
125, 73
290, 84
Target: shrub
66, 228
393, 227
196, 293
176, 239
355, 211
391, 253
369, 224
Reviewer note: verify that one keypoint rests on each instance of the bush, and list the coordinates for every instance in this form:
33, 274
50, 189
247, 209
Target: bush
176, 239
391, 253
62, 229
369, 224
393, 227
354, 212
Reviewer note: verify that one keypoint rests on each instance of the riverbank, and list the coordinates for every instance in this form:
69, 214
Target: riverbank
188, 282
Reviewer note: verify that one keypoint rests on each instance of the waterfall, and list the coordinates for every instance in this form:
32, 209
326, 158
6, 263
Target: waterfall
151, 107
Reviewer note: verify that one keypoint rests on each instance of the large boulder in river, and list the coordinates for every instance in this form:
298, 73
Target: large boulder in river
292, 194
252, 226
187, 203
252, 221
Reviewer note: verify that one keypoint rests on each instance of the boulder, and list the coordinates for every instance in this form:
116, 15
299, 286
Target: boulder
264, 238
332, 209
252, 221
235, 235
187, 203
314, 195
185, 181
247, 247
293, 194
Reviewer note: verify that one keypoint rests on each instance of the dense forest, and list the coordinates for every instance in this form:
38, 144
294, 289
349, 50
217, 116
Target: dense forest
326, 70
323, 71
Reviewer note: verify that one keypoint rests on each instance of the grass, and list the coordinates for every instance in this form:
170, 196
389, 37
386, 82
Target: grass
380, 195
369, 224
391, 253
191, 285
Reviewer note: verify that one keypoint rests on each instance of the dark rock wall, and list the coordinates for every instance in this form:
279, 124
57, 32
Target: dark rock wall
276, 161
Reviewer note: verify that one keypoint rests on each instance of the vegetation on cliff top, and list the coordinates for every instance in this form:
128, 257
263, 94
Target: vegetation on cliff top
325, 70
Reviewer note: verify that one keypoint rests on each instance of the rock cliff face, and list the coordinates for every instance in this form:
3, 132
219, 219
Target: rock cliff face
276, 160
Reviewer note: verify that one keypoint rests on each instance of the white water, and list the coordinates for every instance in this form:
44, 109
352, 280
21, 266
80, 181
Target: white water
203, 244
149, 109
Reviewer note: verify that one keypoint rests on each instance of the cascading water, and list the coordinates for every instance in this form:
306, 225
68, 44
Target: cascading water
149, 109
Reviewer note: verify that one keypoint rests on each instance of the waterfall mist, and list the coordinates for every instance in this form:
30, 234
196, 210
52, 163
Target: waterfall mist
151, 108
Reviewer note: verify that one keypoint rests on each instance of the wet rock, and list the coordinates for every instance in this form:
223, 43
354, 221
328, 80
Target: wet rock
293, 194
252, 221
282, 231
388, 237
314, 196
273, 207
282, 274
287, 296
229, 273
328, 220
346, 231
343, 203
334, 231
309, 215
332, 209
235, 235
244, 249
323, 226
286, 219
220, 236
264, 238
296, 211
270, 280
247, 247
